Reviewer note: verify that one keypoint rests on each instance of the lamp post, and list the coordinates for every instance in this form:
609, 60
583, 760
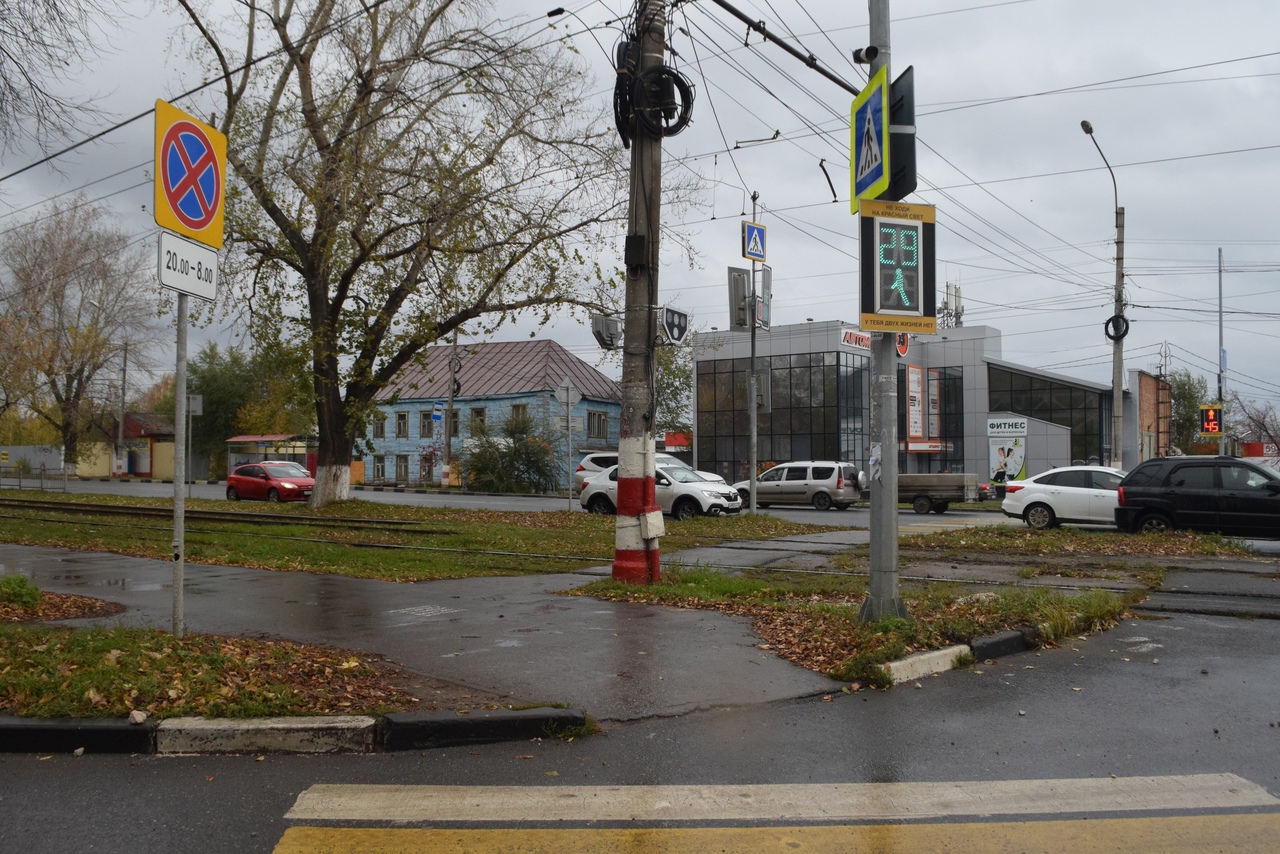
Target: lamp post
1117, 326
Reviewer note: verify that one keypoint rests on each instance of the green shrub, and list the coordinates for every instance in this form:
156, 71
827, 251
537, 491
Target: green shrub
17, 590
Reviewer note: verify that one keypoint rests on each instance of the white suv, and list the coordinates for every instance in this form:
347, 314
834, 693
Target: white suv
679, 490
594, 463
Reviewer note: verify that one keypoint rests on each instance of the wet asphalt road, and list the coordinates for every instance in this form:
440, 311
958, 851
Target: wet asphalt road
1170, 696
1163, 695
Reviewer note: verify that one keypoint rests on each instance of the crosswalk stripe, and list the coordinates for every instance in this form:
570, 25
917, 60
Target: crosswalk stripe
802, 802
1237, 834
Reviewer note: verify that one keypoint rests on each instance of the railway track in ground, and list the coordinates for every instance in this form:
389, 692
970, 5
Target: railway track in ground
84, 508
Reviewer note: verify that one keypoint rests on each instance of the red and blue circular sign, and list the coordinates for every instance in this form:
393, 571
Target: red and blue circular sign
190, 170
190, 176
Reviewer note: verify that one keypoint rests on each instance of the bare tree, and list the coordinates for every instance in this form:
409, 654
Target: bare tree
405, 168
1255, 420
40, 40
74, 285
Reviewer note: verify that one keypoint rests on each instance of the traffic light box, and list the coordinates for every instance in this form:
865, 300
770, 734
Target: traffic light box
902, 137
1211, 420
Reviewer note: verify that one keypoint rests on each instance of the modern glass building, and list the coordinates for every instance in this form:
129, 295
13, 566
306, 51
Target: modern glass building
952, 388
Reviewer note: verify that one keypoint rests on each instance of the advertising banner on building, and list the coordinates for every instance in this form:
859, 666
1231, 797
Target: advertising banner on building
915, 402
1007, 458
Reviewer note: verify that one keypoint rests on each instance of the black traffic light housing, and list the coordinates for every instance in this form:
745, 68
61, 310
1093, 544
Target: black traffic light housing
1211, 421
902, 137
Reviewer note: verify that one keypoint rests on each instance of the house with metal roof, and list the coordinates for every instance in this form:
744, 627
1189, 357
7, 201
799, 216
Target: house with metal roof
491, 382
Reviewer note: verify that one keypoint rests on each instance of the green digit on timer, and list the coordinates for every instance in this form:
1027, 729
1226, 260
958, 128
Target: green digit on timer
899, 249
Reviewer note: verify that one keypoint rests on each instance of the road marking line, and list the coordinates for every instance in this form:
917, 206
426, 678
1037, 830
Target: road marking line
1246, 834
815, 802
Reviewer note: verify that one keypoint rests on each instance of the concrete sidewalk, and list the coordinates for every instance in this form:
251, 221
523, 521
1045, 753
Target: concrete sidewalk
519, 637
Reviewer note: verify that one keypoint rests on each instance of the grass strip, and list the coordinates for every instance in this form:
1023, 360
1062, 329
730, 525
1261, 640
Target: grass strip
813, 620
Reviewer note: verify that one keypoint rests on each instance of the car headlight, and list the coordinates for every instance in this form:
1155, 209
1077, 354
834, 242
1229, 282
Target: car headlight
287, 485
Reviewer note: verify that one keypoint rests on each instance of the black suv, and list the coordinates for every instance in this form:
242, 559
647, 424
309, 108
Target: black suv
1224, 494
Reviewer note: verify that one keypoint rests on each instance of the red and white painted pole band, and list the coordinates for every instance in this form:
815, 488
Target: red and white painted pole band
639, 524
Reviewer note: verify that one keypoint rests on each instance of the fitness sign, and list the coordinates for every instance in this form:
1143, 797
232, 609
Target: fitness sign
190, 174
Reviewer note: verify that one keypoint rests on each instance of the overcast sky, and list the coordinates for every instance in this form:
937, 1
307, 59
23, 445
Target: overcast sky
1182, 97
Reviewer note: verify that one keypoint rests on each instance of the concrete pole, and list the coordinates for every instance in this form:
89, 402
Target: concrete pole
639, 521
1117, 352
883, 599
449, 416
1222, 367
1117, 342
120, 446
753, 385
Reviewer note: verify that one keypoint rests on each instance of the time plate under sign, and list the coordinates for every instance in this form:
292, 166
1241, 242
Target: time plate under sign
187, 267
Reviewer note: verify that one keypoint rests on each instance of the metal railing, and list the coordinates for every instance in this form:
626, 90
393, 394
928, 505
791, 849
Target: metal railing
41, 477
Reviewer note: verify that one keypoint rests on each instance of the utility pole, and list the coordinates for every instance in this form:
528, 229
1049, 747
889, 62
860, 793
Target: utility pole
639, 521
883, 599
753, 384
1121, 327
1117, 326
450, 417
1222, 363
120, 446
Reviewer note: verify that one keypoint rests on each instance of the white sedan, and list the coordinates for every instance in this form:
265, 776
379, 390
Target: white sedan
680, 491
1082, 494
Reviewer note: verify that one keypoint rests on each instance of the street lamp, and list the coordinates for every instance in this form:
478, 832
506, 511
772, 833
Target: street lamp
1117, 327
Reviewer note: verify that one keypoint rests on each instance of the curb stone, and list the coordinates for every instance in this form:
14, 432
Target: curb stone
936, 661
319, 734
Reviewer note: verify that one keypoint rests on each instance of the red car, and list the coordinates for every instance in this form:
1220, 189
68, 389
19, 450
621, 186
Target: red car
270, 481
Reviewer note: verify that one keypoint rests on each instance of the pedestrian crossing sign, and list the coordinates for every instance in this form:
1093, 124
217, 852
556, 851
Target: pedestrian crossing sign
753, 241
869, 140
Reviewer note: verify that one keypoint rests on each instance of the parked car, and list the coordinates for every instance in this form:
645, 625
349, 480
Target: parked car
271, 480
820, 483
1081, 494
1238, 498
679, 490
599, 461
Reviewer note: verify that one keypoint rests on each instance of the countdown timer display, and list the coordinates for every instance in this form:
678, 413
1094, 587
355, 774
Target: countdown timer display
898, 289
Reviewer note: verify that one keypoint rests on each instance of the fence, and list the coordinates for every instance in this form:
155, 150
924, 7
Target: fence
41, 477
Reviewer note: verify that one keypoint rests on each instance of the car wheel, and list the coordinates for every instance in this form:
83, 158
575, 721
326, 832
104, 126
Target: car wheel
1040, 517
922, 504
600, 505
273, 495
232, 495
822, 501
1153, 523
745, 494
941, 507
685, 509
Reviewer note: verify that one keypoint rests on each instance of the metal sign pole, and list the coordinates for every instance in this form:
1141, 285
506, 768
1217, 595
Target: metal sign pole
179, 464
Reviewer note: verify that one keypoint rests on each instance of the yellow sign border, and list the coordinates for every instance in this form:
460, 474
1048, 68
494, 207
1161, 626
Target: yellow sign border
877, 85
211, 235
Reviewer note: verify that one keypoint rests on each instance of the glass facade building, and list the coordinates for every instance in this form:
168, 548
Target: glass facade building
819, 409
951, 387
1086, 412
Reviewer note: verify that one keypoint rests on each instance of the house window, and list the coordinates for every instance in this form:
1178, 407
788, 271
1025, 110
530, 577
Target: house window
477, 419
379, 467
402, 468
402, 425
426, 427
380, 428
597, 425
519, 411
451, 422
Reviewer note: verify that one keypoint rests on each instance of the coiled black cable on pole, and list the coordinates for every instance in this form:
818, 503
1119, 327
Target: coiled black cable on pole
663, 101
627, 62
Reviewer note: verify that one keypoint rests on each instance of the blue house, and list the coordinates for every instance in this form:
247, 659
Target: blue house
493, 382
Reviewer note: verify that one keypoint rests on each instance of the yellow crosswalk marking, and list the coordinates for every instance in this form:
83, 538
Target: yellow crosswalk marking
1167, 835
